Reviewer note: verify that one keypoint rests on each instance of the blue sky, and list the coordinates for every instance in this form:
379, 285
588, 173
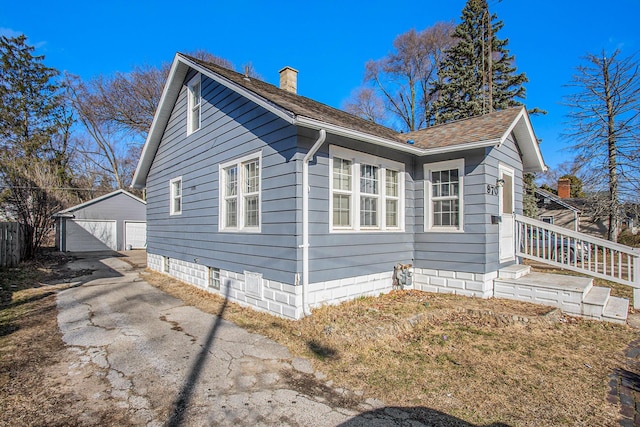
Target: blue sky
329, 42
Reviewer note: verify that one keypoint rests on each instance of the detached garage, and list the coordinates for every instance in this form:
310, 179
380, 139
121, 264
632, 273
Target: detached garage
115, 221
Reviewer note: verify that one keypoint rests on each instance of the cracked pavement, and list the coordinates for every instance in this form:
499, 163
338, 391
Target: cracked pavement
167, 363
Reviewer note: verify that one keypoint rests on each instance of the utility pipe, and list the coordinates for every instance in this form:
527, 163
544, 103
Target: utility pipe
322, 135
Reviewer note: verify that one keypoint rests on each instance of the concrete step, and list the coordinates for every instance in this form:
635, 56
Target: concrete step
594, 302
557, 290
514, 271
616, 310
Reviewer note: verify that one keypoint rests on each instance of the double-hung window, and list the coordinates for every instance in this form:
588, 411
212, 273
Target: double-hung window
443, 195
175, 195
240, 194
194, 104
366, 192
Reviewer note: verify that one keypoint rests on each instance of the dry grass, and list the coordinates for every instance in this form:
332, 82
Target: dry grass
32, 389
484, 361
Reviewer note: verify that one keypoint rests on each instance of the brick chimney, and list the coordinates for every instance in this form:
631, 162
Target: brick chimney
564, 188
289, 79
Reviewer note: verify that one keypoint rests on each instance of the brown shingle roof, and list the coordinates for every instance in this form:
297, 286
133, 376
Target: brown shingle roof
302, 106
490, 127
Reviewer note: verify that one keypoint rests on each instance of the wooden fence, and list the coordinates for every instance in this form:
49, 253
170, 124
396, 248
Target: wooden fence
11, 244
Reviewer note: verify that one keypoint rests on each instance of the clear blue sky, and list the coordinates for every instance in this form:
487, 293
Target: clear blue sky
329, 42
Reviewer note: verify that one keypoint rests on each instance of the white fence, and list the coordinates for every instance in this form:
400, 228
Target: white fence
11, 242
578, 252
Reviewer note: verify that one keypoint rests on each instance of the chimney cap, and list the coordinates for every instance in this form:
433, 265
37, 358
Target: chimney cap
289, 79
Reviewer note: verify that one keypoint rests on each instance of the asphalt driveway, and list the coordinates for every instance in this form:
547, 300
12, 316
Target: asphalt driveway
166, 363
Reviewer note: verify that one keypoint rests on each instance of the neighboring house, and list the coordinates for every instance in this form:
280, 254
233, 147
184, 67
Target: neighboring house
282, 203
574, 213
557, 211
115, 221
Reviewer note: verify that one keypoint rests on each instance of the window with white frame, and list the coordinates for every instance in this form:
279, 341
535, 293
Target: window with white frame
443, 195
194, 104
366, 192
547, 218
175, 191
240, 194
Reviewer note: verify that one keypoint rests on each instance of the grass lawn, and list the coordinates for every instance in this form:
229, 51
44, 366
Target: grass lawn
32, 354
484, 361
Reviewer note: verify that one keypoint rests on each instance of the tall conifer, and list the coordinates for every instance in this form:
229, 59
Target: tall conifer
478, 75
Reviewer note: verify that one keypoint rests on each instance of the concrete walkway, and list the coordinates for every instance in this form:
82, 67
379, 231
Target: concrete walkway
166, 363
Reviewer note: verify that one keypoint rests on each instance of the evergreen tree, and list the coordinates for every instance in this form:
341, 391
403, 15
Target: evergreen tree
478, 75
34, 137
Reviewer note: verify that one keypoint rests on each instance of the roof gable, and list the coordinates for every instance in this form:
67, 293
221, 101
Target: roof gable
98, 200
483, 131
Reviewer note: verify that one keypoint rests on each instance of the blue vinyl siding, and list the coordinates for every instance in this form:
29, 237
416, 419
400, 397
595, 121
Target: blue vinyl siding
347, 254
232, 127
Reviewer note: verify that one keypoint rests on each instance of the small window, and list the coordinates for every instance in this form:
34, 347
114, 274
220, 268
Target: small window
547, 219
195, 103
214, 278
166, 264
176, 196
443, 196
240, 194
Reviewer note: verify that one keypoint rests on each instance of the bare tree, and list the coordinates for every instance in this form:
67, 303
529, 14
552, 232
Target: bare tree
403, 80
366, 104
604, 120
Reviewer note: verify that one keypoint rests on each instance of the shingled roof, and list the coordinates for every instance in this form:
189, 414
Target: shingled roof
489, 127
301, 106
484, 131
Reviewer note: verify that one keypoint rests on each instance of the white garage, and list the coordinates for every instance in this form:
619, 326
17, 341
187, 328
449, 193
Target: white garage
135, 235
115, 221
85, 236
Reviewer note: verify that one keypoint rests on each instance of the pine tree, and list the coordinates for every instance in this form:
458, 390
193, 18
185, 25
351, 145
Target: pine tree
478, 75
34, 137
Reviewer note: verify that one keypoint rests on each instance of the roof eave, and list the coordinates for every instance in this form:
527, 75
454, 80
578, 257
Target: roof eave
179, 70
521, 127
361, 136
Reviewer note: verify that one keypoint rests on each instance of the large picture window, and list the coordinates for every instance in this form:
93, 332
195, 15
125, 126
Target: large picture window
240, 194
443, 195
366, 192
195, 102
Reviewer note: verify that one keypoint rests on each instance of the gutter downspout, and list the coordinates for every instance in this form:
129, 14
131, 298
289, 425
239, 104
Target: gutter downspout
322, 135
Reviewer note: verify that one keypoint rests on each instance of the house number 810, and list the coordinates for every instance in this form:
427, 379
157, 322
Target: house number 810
492, 189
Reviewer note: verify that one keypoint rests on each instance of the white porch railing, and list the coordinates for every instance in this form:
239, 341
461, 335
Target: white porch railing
578, 252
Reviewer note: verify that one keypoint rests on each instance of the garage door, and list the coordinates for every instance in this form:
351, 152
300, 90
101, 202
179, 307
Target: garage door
135, 235
83, 235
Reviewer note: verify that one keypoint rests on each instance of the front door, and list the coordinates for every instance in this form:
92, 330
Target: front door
507, 226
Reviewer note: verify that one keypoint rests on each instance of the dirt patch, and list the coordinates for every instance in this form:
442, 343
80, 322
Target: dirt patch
482, 361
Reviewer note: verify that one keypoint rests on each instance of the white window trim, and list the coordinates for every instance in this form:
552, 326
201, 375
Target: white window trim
172, 196
191, 106
222, 214
358, 158
549, 217
428, 192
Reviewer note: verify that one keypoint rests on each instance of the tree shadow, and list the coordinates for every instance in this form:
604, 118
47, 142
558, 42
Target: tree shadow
186, 391
321, 350
398, 416
628, 379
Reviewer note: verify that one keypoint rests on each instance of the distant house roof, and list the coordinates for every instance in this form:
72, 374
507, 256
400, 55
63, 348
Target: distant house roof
69, 211
566, 203
484, 131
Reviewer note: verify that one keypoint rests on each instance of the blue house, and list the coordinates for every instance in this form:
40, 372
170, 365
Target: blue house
282, 203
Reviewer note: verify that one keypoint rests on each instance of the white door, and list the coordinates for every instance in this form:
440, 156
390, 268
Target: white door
507, 224
135, 235
84, 235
